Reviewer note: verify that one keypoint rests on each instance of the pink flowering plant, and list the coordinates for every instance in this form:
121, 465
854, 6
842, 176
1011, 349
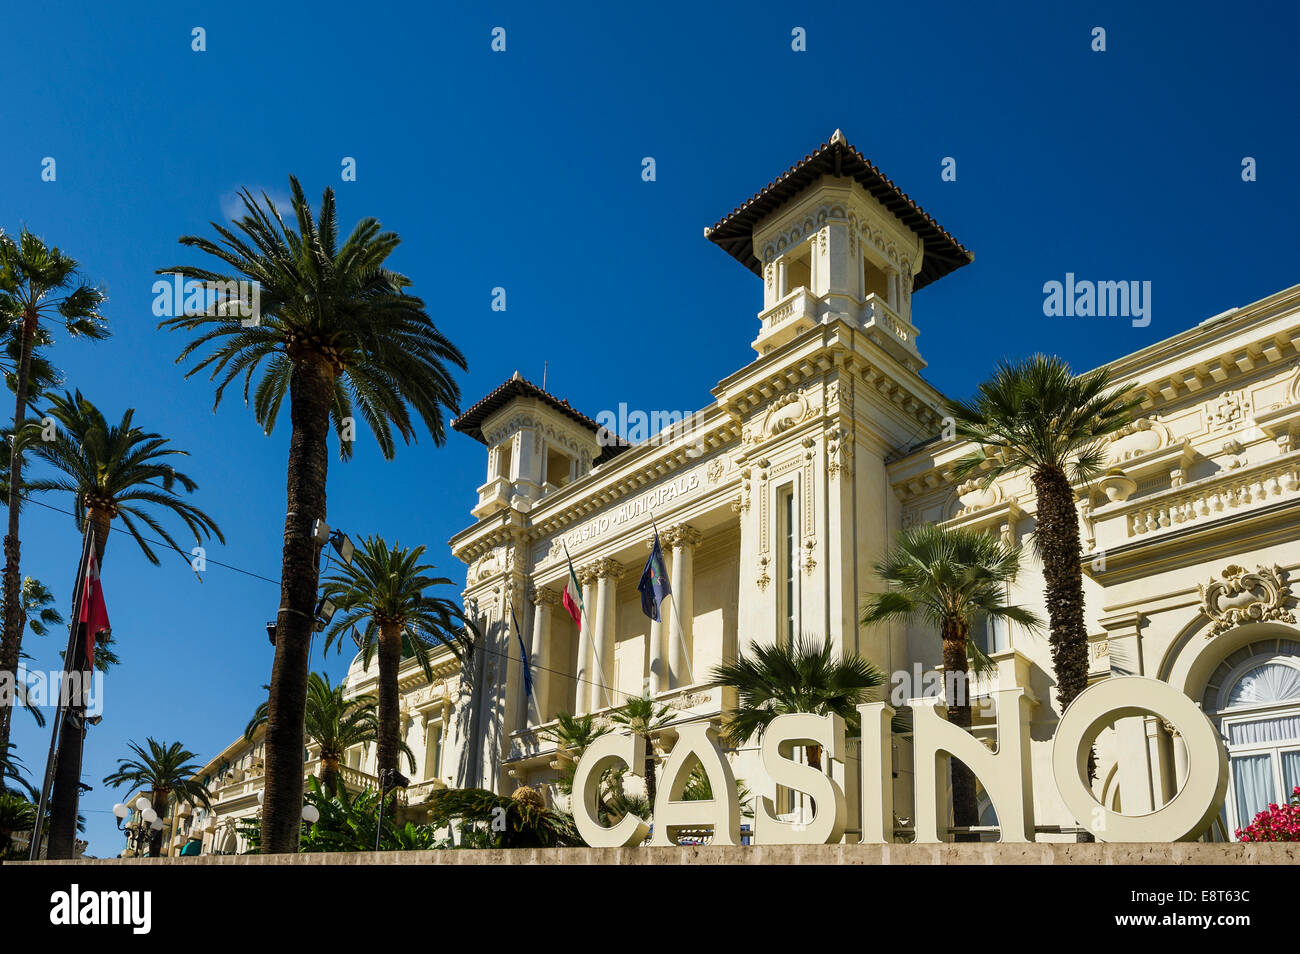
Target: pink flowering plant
1276, 823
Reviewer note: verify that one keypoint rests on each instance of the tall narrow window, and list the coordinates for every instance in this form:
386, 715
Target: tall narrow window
433, 750
789, 565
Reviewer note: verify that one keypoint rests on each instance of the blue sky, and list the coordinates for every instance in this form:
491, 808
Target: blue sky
522, 170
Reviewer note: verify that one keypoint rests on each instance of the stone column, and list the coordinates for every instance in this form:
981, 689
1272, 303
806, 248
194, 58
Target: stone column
605, 636
682, 538
543, 602
586, 648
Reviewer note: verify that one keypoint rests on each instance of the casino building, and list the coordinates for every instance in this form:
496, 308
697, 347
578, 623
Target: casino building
774, 501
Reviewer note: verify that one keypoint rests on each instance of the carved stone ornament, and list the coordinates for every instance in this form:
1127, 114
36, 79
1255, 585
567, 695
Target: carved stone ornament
1241, 597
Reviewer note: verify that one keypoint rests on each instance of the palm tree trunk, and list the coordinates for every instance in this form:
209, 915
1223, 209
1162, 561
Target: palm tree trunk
311, 392
390, 658
101, 521
1062, 555
11, 641
956, 668
155, 838
329, 775
649, 770
66, 792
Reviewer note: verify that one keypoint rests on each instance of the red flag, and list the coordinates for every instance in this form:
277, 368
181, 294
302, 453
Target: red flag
93, 611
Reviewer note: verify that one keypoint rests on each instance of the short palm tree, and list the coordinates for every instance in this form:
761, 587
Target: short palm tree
336, 327
571, 735
518, 820
386, 595
334, 725
37, 283
17, 815
950, 579
772, 680
118, 470
640, 716
1038, 415
164, 771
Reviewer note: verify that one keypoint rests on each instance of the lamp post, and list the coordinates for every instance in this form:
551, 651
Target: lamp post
342, 544
138, 833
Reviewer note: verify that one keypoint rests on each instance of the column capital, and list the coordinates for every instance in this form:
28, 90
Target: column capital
543, 596
587, 573
608, 568
682, 535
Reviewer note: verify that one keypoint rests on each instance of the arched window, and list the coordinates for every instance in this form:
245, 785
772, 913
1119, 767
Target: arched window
1254, 697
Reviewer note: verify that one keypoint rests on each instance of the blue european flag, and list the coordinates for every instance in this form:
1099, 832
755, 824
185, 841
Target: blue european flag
523, 652
654, 582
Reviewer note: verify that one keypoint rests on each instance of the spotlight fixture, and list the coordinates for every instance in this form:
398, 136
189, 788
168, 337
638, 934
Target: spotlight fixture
270, 631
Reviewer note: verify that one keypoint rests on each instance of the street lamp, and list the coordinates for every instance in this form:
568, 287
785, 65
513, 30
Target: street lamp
137, 832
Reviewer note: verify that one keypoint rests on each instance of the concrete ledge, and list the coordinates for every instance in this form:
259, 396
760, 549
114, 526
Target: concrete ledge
1062, 853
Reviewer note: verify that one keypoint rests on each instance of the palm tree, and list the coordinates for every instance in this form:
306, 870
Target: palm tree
334, 724
950, 579
36, 283
17, 815
335, 326
111, 470
12, 769
164, 771
572, 734
388, 591
642, 717
805, 677
118, 470
518, 820
38, 616
1036, 414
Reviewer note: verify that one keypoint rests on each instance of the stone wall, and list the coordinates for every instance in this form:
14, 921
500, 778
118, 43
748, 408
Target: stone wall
1189, 853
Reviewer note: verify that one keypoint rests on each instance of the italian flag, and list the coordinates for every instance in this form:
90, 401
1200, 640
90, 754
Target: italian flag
571, 599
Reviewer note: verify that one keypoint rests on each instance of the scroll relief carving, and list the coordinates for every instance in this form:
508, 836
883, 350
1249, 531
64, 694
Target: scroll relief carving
1242, 597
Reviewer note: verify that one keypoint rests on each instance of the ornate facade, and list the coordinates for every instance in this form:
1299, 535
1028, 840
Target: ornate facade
774, 502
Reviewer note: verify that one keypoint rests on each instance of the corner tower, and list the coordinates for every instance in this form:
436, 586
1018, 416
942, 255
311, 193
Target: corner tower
831, 238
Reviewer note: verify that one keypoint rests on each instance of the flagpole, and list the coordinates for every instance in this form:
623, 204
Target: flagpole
525, 662
681, 630
69, 657
595, 646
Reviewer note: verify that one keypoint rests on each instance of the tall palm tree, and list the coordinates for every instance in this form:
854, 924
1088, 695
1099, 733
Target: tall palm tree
642, 717
112, 471
1038, 415
388, 590
772, 680
334, 724
118, 470
950, 579
336, 326
37, 283
164, 771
